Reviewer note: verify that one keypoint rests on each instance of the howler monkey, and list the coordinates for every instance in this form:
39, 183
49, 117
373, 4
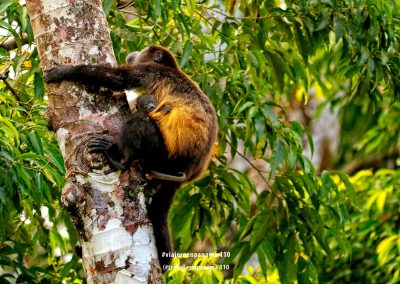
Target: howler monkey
172, 131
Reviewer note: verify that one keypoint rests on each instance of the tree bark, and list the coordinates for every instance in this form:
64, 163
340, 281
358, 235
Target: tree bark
109, 211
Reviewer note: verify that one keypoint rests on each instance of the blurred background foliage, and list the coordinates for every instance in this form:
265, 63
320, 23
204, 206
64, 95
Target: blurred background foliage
306, 94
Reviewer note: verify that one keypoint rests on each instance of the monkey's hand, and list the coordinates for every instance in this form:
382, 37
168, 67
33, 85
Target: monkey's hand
108, 148
58, 73
99, 145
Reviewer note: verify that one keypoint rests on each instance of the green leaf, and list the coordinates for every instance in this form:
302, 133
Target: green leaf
262, 260
339, 27
242, 107
38, 86
107, 4
234, 251
309, 137
4, 52
8, 27
182, 21
260, 229
187, 50
364, 55
36, 141
245, 255
157, 9
253, 59
246, 229
4, 4
270, 115
277, 65
385, 247
268, 247
55, 158
191, 4
23, 18
287, 266
68, 267
306, 272
10, 129
301, 41
327, 185
277, 156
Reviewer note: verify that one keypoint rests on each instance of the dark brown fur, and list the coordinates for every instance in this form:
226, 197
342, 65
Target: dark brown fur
186, 119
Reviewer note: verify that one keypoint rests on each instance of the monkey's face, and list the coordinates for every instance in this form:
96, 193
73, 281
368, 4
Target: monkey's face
153, 53
146, 103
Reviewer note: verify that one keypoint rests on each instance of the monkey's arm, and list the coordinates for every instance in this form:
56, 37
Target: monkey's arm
115, 78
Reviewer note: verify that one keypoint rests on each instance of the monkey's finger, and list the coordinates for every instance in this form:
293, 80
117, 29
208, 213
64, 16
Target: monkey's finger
96, 149
50, 74
101, 139
100, 142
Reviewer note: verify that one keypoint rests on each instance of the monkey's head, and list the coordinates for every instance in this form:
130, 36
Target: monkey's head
146, 103
153, 53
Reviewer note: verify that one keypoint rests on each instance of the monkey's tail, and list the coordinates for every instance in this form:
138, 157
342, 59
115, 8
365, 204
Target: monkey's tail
181, 177
158, 213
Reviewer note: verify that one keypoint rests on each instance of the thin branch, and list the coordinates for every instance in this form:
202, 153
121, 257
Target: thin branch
9, 87
11, 43
129, 12
237, 17
370, 162
124, 4
260, 173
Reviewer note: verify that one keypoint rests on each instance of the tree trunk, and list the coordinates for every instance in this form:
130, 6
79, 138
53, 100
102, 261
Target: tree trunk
109, 211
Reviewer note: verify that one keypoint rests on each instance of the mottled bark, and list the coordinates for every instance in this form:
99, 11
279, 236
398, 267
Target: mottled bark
109, 211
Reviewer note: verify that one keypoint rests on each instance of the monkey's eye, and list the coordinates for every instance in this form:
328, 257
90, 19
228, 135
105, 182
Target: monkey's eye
158, 56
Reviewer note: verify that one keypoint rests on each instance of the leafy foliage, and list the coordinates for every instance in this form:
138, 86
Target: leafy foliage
251, 58
374, 233
35, 235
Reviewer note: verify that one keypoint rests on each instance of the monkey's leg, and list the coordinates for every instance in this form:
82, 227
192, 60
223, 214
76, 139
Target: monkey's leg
158, 213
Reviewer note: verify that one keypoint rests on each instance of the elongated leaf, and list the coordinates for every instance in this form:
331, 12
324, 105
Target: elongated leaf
277, 156
4, 4
36, 141
187, 50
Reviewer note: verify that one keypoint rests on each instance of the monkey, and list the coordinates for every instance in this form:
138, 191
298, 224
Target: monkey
174, 120
141, 140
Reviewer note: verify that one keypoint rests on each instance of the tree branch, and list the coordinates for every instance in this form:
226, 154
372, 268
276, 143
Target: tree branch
11, 43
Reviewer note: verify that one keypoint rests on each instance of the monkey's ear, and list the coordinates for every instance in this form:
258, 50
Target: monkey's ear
158, 56
130, 58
